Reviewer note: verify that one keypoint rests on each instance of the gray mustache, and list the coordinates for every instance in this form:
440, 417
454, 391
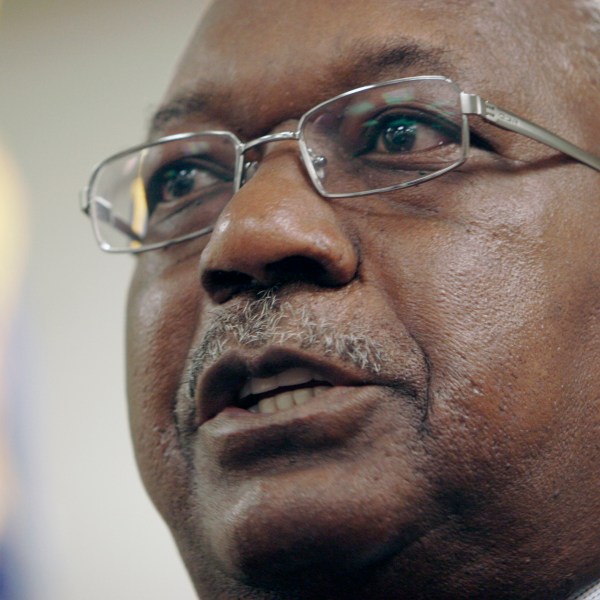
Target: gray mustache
266, 321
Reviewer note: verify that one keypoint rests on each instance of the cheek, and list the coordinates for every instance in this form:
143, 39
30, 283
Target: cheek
162, 311
474, 294
489, 299
491, 380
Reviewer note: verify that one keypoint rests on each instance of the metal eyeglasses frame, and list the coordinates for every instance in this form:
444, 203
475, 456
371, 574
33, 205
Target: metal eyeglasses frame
471, 104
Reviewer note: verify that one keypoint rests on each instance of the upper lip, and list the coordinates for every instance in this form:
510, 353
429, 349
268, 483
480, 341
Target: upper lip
221, 384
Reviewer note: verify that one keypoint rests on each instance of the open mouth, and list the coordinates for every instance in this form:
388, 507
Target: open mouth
276, 381
290, 388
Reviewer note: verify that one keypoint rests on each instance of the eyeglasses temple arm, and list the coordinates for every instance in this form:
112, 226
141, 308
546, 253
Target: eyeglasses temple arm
472, 104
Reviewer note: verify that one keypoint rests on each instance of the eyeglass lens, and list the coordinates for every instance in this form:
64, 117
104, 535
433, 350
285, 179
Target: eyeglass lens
386, 136
165, 191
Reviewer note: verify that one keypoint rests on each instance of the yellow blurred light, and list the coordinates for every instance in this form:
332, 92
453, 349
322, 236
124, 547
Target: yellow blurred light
12, 260
140, 209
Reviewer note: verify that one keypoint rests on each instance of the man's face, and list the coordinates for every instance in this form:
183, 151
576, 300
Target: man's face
433, 352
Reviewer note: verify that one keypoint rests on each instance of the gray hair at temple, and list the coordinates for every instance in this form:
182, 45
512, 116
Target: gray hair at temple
572, 59
586, 41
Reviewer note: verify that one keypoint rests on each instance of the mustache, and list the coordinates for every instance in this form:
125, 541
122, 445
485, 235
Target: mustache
267, 320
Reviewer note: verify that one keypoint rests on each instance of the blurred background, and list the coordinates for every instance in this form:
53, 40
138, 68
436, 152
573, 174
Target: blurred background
78, 81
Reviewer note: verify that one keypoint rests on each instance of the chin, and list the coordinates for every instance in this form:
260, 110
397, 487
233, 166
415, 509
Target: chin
313, 542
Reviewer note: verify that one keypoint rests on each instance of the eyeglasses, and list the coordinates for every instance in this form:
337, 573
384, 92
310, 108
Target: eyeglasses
371, 140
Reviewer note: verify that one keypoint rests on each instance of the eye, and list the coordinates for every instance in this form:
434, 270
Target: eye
184, 181
180, 180
401, 133
179, 183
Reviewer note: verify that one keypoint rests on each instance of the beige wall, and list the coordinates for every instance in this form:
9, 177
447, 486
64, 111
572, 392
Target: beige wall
78, 80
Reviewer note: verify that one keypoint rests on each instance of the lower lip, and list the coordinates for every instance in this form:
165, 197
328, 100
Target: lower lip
236, 436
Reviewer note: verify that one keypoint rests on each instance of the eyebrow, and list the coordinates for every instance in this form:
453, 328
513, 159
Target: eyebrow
187, 104
367, 57
364, 63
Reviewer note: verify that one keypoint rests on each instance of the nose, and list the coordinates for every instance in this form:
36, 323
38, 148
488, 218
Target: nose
276, 230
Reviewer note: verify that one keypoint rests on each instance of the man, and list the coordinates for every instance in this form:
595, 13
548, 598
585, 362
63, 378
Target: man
361, 366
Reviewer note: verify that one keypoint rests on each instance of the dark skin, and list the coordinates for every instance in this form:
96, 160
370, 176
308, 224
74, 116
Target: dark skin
468, 466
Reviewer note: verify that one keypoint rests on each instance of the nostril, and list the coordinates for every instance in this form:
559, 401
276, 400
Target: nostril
297, 268
222, 285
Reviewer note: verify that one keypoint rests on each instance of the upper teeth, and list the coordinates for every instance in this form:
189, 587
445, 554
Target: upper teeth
285, 399
261, 385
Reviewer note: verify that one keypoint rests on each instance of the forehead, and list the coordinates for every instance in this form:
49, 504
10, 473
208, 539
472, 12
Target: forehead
277, 58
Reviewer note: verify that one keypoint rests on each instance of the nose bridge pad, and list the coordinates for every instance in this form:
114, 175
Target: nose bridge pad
248, 171
319, 163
